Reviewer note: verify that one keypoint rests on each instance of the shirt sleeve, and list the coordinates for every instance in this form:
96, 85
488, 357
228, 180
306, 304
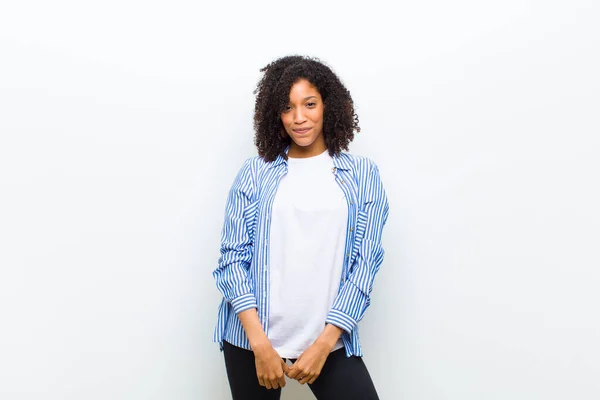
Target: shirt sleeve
232, 275
353, 299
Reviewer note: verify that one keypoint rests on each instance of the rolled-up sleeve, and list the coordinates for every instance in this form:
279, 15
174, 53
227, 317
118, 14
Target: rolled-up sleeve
232, 275
353, 299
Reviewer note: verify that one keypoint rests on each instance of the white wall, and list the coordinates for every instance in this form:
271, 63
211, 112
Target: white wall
124, 122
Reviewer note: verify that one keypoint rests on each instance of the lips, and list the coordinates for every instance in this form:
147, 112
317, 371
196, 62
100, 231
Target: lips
301, 131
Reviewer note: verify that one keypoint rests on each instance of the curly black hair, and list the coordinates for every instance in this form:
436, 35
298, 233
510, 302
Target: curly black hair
272, 96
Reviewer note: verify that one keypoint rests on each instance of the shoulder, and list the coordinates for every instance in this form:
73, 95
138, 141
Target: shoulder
252, 164
256, 165
253, 170
360, 164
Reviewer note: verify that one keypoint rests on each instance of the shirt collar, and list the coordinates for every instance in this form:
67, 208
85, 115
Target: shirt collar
340, 161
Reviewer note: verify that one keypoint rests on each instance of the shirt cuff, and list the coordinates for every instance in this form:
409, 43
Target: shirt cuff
341, 320
244, 302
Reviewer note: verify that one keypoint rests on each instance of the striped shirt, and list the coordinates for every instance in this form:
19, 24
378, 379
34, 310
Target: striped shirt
242, 274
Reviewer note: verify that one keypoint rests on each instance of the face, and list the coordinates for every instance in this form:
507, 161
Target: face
303, 120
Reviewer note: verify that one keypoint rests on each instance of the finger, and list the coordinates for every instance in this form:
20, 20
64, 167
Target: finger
313, 379
285, 367
281, 381
274, 384
305, 379
268, 384
261, 382
293, 372
300, 375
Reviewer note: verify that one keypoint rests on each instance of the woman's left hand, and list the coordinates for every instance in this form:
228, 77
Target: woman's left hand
308, 366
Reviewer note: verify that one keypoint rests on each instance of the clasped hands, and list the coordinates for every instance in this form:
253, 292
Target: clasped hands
307, 367
270, 367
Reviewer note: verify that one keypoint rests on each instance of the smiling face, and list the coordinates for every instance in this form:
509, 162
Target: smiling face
303, 120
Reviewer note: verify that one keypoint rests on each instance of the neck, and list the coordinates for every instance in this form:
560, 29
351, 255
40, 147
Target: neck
315, 149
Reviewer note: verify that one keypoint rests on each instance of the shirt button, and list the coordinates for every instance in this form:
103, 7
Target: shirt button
351, 229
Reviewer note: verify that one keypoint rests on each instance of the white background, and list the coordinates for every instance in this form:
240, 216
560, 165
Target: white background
123, 124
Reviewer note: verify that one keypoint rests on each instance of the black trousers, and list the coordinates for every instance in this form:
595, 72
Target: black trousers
341, 378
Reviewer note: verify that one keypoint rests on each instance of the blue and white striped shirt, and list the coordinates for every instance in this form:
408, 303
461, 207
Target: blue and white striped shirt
242, 274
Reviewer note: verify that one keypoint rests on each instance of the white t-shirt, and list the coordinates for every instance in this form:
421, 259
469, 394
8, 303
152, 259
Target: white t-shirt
308, 233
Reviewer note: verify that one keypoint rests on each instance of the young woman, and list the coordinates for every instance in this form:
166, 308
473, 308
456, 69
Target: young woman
301, 242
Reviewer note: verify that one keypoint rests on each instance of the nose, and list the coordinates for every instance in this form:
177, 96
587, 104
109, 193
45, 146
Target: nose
298, 116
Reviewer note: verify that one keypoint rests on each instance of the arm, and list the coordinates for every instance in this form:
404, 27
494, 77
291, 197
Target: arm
256, 334
354, 297
232, 273
235, 282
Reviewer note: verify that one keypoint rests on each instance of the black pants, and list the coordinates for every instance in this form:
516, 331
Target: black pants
341, 378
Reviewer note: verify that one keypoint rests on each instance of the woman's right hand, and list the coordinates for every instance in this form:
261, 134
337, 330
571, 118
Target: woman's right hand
270, 367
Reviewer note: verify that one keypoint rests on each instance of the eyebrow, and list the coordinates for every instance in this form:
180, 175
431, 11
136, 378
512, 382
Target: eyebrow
309, 97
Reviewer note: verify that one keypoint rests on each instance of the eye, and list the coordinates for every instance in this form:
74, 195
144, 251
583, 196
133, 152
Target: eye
311, 104
286, 109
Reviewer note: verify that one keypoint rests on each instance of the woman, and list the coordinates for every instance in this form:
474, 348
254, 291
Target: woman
301, 242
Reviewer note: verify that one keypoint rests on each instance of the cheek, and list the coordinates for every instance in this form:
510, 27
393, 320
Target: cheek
318, 120
318, 116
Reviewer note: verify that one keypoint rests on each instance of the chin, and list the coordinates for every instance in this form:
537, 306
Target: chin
303, 143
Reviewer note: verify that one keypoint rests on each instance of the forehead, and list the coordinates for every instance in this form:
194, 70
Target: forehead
303, 88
